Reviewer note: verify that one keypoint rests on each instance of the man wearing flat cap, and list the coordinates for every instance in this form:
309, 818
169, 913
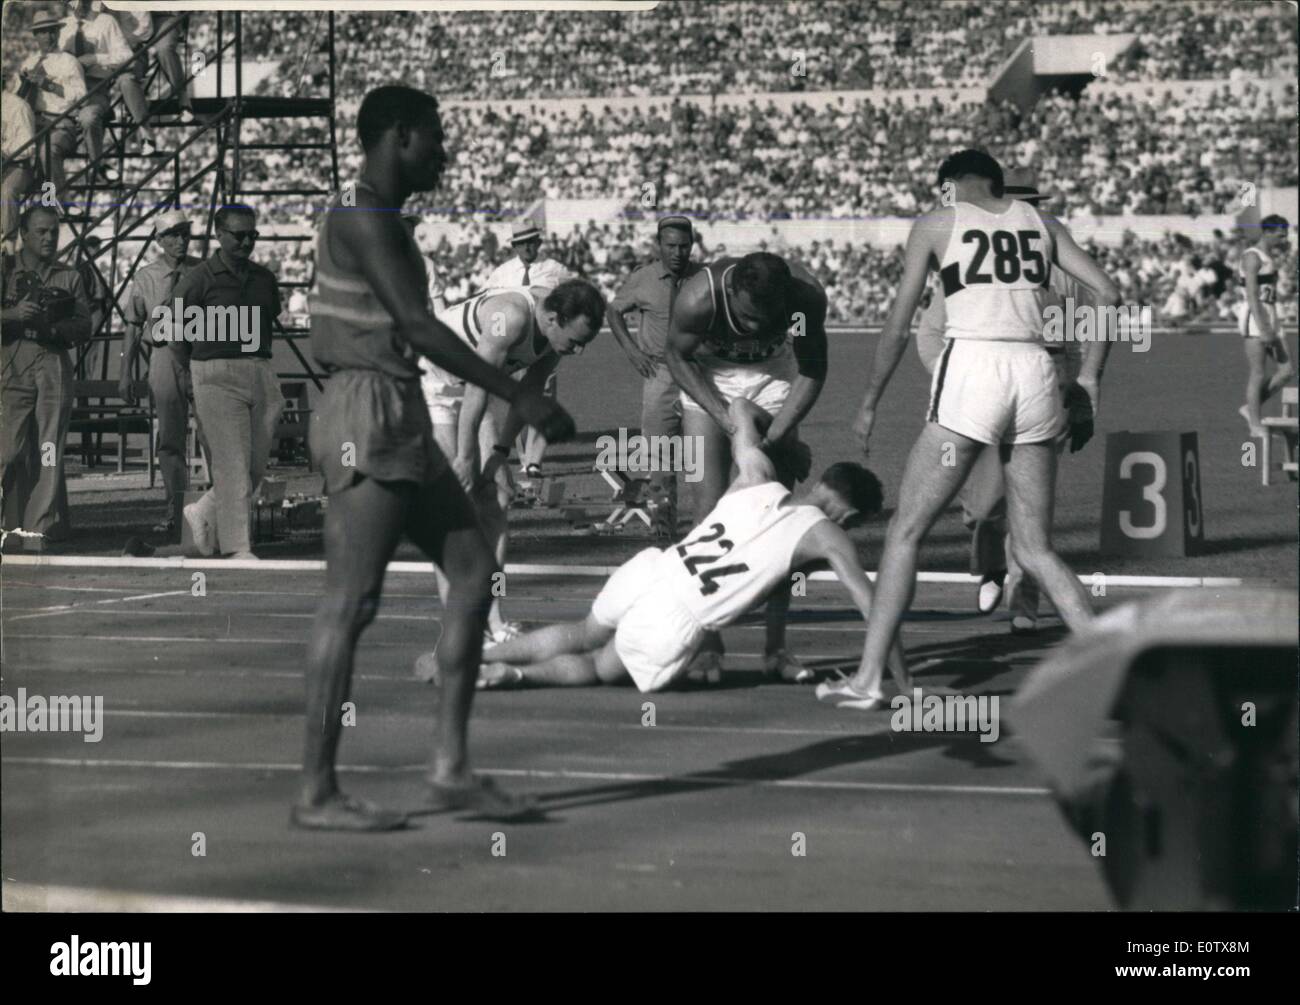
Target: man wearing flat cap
650, 292
169, 382
530, 268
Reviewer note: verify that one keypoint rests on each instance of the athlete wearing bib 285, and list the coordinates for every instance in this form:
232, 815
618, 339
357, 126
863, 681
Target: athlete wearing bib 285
995, 384
653, 613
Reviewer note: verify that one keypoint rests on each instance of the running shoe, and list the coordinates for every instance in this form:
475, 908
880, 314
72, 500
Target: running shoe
508, 630
706, 668
782, 665
1023, 624
842, 693
990, 594
497, 676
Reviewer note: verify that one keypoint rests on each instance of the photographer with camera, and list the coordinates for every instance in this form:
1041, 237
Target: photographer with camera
45, 313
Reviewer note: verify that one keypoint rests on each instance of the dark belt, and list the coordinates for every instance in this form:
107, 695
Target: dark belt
1055, 350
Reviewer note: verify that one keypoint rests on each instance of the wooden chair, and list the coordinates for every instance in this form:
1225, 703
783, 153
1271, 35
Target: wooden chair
108, 412
291, 430
1287, 425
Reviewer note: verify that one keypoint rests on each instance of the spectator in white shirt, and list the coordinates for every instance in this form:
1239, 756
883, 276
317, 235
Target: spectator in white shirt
60, 84
93, 36
528, 267
18, 129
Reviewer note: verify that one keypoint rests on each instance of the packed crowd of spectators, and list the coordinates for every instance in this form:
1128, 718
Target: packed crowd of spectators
855, 158
692, 47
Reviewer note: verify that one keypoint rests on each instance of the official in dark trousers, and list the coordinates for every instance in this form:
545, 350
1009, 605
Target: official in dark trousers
649, 292
169, 384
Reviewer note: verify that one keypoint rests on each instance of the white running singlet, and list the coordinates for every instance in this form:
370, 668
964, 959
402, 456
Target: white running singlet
1266, 280
995, 274
463, 320
737, 553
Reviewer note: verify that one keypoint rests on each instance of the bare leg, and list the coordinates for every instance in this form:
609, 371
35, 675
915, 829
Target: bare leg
1030, 470
928, 486
489, 506
442, 523
577, 654
1256, 380
362, 527
543, 643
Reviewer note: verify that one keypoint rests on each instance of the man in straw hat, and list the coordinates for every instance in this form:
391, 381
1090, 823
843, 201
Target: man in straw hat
169, 381
528, 268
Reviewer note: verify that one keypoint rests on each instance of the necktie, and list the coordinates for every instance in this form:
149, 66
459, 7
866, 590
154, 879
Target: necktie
526, 268
79, 44
173, 278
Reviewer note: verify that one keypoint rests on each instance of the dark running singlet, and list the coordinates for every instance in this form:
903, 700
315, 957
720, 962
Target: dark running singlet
724, 340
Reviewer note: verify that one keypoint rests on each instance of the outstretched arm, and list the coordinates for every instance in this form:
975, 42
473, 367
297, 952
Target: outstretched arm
691, 317
829, 542
921, 245
810, 353
753, 466
1079, 264
399, 283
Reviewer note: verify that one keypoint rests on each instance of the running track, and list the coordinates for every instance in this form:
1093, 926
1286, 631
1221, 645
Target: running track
203, 732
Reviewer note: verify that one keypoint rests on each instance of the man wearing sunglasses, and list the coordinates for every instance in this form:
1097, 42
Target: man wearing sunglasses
236, 395
155, 284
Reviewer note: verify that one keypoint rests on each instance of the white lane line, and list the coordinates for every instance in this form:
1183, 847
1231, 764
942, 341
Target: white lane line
50, 612
594, 776
297, 674
908, 627
857, 731
524, 569
28, 897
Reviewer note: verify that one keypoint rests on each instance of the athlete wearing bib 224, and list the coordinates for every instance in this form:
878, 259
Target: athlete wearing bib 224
653, 612
994, 384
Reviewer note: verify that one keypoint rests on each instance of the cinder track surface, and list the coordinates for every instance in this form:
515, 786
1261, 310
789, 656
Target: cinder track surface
701, 811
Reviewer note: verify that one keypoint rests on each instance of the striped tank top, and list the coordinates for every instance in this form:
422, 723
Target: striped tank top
464, 320
350, 328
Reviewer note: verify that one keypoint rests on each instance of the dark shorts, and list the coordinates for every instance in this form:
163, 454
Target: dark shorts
371, 425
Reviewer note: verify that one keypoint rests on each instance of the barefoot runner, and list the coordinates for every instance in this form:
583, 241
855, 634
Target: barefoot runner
372, 439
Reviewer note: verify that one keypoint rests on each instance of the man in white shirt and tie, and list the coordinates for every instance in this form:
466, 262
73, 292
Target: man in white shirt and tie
95, 38
529, 268
19, 128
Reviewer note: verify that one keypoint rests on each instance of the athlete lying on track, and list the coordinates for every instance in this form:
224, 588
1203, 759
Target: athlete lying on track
650, 618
